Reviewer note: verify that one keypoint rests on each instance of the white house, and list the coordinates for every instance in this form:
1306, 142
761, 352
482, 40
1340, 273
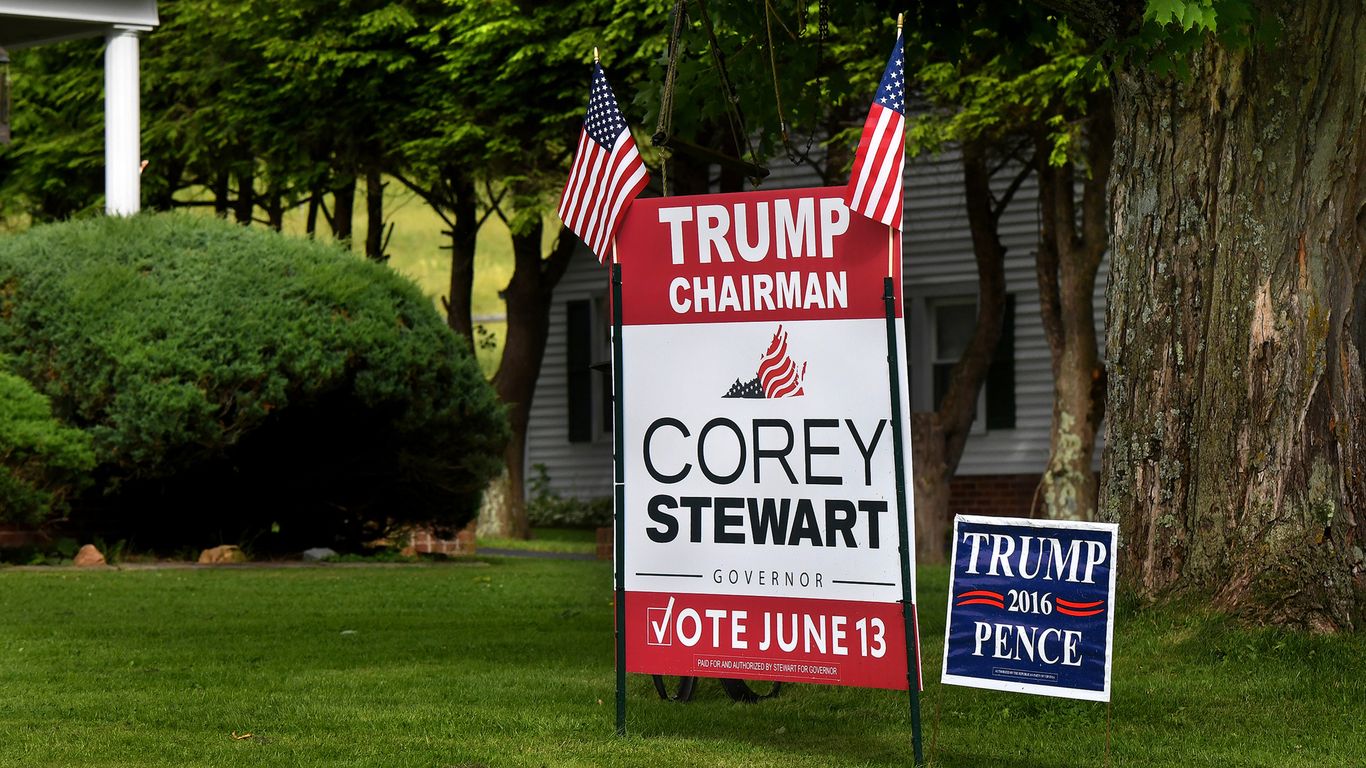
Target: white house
26, 23
570, 430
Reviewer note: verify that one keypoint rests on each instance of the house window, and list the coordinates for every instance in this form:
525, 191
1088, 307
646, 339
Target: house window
951, 321
940, 327
588, 355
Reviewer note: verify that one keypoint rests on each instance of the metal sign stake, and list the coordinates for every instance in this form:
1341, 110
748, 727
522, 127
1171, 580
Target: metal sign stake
907, 600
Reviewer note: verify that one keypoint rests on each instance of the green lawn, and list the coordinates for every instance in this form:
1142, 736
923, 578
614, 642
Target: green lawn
509, 663
570, 540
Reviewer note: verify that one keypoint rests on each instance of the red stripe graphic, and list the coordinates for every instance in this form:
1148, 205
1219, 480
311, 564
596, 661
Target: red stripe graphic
1070, 604
982, 593
780, 376
980, 601
1070, 612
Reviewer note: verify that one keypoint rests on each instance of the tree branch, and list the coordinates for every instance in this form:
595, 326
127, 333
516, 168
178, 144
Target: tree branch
1097, 19
427, 197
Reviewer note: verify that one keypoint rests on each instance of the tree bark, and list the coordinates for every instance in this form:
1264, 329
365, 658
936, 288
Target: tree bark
1069, 256
246, 197
221, 203
374, 215
464, 234
528, 310
1234, 459
931, 481
343, 208
311, 220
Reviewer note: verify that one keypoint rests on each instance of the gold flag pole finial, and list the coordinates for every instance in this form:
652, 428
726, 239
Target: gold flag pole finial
595, 55
900, 18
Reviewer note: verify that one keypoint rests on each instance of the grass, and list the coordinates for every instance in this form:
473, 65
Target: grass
509, 663
567, 540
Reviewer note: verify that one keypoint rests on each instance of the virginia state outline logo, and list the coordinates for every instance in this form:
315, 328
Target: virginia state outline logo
777, 376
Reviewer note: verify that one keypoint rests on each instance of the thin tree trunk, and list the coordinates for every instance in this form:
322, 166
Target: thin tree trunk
1234, 459
1069, 256
314, 203
343, 208
464, 234
275, 210
931, 480
246, 197
221, 190
528, 310
374, 215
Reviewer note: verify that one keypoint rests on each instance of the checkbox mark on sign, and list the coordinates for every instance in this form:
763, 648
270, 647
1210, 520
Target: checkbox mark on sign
660, 633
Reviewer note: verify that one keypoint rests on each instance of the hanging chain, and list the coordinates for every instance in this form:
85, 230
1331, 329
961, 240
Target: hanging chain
823, 27
664, 126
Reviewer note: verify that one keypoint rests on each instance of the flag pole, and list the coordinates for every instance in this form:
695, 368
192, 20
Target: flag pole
619, 488
903, 517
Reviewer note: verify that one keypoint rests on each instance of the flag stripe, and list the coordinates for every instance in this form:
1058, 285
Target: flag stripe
633, 186
882, 161
875, 182
607, 172
613, 177
570, 195
861, 165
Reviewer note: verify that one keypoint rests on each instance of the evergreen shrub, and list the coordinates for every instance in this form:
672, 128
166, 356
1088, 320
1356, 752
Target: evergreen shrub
237, 381
42, 462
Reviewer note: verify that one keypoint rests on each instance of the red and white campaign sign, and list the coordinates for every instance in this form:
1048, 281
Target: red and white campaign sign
761, 533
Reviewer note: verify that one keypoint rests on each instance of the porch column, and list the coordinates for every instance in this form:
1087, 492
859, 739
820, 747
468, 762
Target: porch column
122, 129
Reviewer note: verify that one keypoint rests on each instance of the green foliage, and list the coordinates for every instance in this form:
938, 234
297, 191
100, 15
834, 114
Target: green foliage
547, 509
231, 379
1171, 30
42, 462
54, 169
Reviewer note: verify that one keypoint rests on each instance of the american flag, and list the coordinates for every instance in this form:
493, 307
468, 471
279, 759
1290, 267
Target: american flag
607, 174
875, 182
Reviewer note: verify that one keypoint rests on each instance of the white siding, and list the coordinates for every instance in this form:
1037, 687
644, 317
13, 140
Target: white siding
937, 249
583, 470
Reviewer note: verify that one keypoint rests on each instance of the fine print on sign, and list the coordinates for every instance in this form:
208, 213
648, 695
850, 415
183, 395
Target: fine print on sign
761, 534
1031, 606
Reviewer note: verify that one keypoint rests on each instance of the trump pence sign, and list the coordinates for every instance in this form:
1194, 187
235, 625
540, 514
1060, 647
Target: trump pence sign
1031, 606
761, 533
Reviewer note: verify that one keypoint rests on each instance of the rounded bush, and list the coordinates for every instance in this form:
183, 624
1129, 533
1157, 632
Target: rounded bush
235, 381
42, 462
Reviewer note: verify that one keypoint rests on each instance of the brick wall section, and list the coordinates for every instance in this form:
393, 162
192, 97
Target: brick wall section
997, 495
424, 542
14, 536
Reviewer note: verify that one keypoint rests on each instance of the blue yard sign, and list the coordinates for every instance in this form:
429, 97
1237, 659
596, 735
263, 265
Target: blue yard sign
1031, 606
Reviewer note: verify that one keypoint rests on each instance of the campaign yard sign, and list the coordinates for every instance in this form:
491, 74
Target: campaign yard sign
760, 516
1031, 606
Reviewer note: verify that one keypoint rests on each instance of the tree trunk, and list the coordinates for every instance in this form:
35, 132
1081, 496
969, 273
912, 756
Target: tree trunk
374, 216
275, 210
938, 444
528, 310
246, 197
222, 183
343, 208
1069, 256
931, 489
1235, 458
311, 221
464, 234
